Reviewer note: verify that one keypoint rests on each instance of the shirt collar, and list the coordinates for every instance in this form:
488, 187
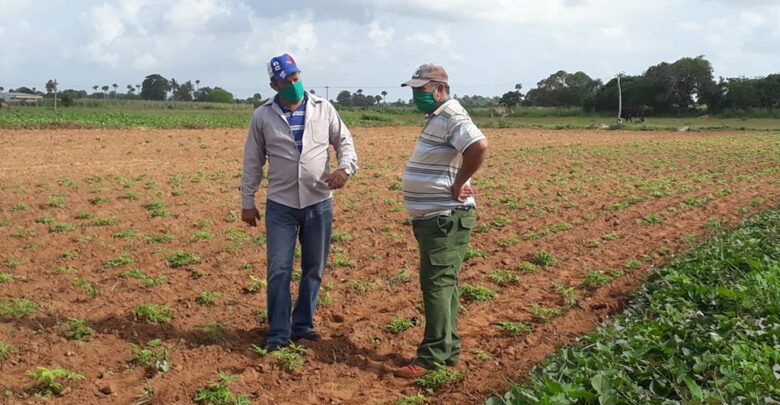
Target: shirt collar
441, 108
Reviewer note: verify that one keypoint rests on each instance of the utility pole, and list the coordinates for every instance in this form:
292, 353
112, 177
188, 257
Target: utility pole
55, 95
620, 101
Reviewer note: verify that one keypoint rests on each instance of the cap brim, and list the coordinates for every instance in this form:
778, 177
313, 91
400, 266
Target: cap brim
415, 83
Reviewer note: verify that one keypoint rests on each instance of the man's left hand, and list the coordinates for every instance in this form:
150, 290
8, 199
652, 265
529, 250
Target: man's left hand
337, 179
461, 193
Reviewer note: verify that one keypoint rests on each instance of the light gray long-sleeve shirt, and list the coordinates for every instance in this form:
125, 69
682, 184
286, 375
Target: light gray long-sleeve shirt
295, 179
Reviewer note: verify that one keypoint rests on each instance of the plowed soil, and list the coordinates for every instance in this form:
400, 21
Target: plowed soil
618, 203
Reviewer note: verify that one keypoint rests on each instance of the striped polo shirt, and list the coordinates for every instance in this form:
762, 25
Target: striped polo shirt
296, 119
431, 171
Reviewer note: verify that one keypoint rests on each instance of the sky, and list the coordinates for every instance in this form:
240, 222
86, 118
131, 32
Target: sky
486, 46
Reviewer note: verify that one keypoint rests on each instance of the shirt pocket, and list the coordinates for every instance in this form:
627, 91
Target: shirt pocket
318, 132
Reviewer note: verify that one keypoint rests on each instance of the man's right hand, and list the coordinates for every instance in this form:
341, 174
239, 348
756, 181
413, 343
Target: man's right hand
250, 216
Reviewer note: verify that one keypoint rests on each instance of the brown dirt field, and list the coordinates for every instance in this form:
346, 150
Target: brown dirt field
594, 199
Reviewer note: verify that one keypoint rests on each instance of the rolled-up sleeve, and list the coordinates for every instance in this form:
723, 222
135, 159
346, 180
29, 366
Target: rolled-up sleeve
254, 160
342, 142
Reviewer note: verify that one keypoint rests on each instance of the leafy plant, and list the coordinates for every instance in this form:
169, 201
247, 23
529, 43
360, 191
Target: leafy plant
12, 262
157, 209
145, 280
48, 381
209, 298
6, 277
20, 307
595, 279
343, 261
544, 258
104, 221
651, 219
98, 200
160, 238
182, 258
570, 296
84, 215
503, 277
61, 227
154, 313
202, 235
435, 379
76, 329
527, 267
121, 260
289, 358
153, 357
362, 286
86, 286
470, 293
55, 201
6, 350
125, 234
341, 236
44, 220
218, 393
514, 328
544, 314
255, 284
632, 264
399, 324
472, 252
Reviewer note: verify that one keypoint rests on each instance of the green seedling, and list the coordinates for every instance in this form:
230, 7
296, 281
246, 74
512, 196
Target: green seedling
218, 393
435, 379
76, 329
153, 357
513, 329
399, 324
154, 313
49, 381
470, 293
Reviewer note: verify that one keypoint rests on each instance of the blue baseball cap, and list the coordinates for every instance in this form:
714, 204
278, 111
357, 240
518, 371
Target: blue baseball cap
279, 67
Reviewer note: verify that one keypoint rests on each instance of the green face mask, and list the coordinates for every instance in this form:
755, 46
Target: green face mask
292, 93
424, 101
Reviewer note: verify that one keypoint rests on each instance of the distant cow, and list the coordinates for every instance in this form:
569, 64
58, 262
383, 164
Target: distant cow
501, 111
630, 113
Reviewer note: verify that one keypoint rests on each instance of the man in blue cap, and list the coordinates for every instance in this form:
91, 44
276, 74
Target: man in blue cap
292, 132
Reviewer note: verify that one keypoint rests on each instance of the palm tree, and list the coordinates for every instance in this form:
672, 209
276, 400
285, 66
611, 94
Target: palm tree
384, 93
130, 89
115, 86
197, 84
95, 87
105, 92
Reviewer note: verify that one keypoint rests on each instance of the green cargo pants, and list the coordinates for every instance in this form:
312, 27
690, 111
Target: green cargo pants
442, 241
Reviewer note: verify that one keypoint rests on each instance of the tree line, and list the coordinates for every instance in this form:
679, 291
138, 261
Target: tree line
153, 87
686, 86
683, 87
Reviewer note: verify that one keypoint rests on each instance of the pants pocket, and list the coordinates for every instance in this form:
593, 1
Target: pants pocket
441, 270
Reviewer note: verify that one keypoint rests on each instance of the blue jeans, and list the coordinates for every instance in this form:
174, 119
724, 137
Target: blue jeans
312, 226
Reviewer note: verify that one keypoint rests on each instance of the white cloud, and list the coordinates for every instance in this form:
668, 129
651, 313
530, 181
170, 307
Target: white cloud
613, 32
194, 15
381, 37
